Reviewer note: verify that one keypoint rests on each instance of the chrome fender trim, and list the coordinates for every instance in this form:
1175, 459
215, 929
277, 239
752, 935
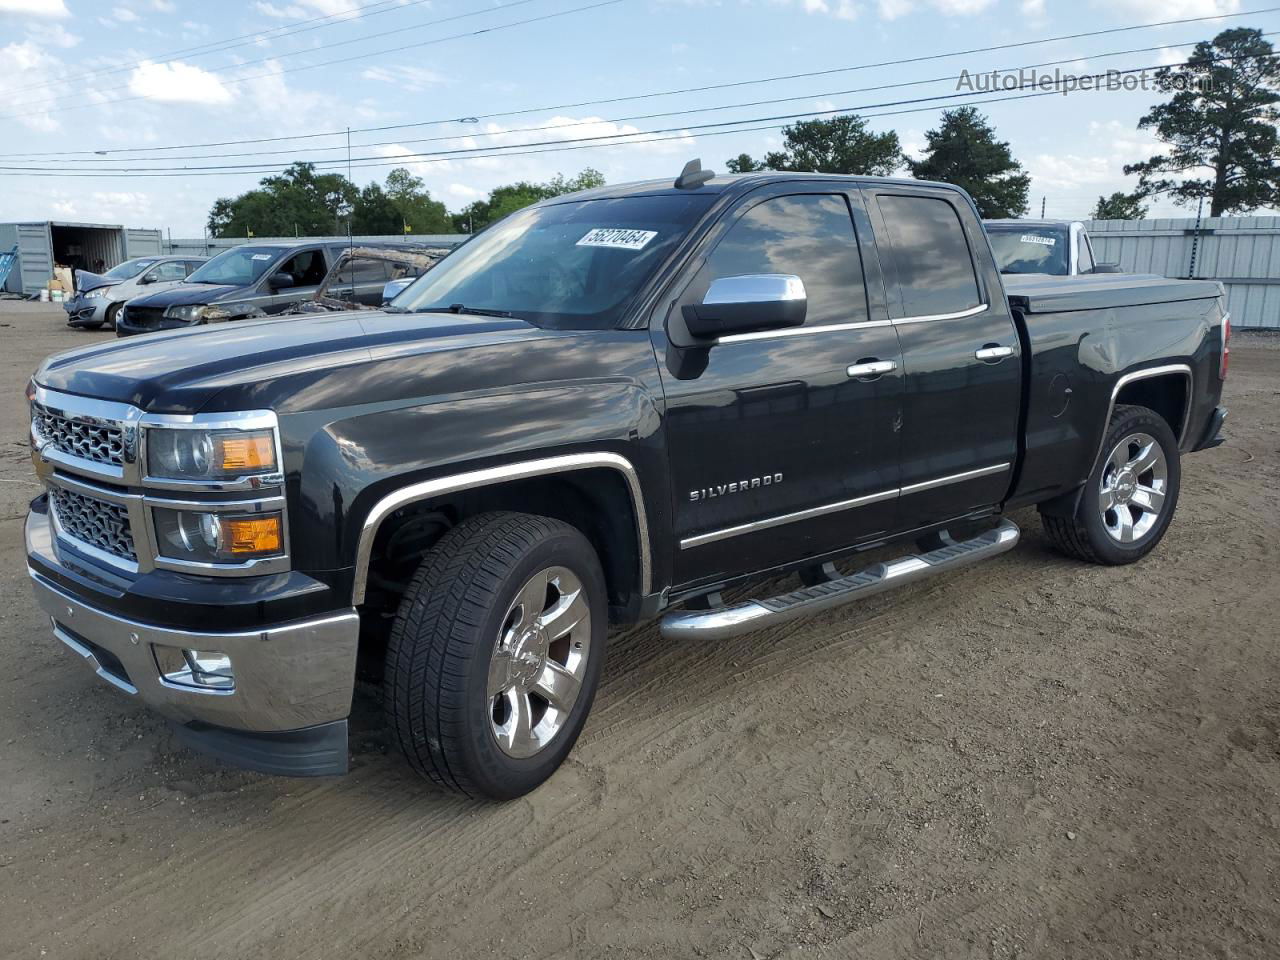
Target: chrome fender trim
544, 466
1149, 372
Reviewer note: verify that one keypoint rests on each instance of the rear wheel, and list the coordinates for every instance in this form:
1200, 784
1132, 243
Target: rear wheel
496, 652
1129, 499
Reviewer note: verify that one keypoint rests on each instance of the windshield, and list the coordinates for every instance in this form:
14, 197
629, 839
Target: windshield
570, 266
129, 269
1027, 248
239, 266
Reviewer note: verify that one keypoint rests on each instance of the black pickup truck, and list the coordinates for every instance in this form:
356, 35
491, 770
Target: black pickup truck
608, 407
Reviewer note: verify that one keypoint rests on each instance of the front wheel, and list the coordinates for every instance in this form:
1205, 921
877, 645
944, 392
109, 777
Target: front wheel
1130, 496
496, 652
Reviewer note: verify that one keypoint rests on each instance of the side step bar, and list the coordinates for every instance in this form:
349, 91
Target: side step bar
723, 622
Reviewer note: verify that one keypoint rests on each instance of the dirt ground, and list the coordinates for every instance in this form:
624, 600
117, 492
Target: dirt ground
1033, 758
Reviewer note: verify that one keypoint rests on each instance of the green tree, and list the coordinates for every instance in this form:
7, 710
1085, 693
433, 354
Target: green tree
375, 213
1221, 120
964, 151
743, 163
1120, 206
508, 199
297, 201
839, 145
418, 211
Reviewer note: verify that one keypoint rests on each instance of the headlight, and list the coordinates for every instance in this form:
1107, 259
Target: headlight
192, 454
188, 312
97, 292
218, 537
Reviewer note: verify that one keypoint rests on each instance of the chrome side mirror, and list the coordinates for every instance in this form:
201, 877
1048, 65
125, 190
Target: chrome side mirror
746, 304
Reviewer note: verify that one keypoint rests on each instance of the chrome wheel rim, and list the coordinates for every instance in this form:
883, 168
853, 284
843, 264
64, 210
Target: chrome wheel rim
539, 662
1135, 482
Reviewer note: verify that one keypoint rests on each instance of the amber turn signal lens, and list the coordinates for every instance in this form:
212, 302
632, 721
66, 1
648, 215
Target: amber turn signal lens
253, 535
245, 452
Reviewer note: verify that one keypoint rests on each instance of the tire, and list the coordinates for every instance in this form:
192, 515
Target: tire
113, 311
464, 630
1124, 509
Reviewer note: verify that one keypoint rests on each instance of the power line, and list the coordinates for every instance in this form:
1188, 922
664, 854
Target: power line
393, 161
243, 40
643, 96
360, 56
293, 152
294, 53
492, 152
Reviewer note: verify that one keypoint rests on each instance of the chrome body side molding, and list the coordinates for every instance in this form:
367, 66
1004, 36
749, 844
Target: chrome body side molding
725, 622
870, 498
544, 466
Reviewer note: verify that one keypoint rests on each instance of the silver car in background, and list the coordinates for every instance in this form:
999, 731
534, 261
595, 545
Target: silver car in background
99, 296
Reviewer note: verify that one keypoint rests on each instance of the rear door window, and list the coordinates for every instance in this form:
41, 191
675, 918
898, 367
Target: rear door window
931, 255
810, 236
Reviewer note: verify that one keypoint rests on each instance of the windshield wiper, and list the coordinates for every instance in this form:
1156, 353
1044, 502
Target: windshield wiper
463, 308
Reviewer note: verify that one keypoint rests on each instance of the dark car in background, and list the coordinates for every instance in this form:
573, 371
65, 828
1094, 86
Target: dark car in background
254, 280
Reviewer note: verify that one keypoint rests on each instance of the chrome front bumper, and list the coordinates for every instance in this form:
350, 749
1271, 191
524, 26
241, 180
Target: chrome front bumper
287, 676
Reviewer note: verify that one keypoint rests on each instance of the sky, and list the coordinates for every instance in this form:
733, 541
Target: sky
128, 76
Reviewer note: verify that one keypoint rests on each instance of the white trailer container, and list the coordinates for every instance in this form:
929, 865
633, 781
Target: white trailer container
43, 244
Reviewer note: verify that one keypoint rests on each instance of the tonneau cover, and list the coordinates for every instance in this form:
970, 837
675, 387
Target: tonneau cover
1040, 293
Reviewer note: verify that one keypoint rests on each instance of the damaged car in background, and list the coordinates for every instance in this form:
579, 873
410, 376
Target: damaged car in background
99, 296
367, 277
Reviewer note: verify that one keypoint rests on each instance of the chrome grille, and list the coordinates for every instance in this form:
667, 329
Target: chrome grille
95, 522
87, 439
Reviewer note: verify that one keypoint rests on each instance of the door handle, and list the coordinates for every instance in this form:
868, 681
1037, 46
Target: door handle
872, 368
993, 353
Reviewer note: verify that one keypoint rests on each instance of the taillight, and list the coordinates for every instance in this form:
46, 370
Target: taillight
1226, 347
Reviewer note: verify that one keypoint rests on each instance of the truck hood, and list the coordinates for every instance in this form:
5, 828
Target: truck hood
187, 294
180, 371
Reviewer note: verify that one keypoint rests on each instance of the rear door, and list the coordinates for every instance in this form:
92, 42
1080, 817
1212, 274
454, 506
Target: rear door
960, 350
776, 451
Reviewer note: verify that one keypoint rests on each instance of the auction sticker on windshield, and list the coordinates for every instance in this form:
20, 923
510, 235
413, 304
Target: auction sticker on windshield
617, 237
1030, 238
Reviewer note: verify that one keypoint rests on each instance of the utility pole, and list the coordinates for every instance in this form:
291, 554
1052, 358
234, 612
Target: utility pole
1042, 200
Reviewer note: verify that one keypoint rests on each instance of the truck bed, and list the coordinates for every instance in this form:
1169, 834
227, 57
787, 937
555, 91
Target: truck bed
1040, 293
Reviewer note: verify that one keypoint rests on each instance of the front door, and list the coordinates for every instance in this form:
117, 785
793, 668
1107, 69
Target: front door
961, 354
781, 445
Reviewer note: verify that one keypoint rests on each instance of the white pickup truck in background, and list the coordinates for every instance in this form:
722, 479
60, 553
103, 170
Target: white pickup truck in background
1059, 248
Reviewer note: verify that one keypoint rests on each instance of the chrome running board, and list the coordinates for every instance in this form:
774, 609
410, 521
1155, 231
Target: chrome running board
723, 622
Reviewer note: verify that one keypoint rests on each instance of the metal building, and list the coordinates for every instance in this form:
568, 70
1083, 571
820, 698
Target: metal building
44, 244
1241, 252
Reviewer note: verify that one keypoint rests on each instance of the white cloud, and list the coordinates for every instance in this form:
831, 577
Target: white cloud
124, 14
896, 9
177, 83
1032, 8
1154, 10
1171, 56
163, 6
54, 35
411, 79
308, 8
840, 9
35, 8
25, 65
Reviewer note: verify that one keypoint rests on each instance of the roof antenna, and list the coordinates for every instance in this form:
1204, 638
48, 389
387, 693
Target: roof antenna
693, 176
